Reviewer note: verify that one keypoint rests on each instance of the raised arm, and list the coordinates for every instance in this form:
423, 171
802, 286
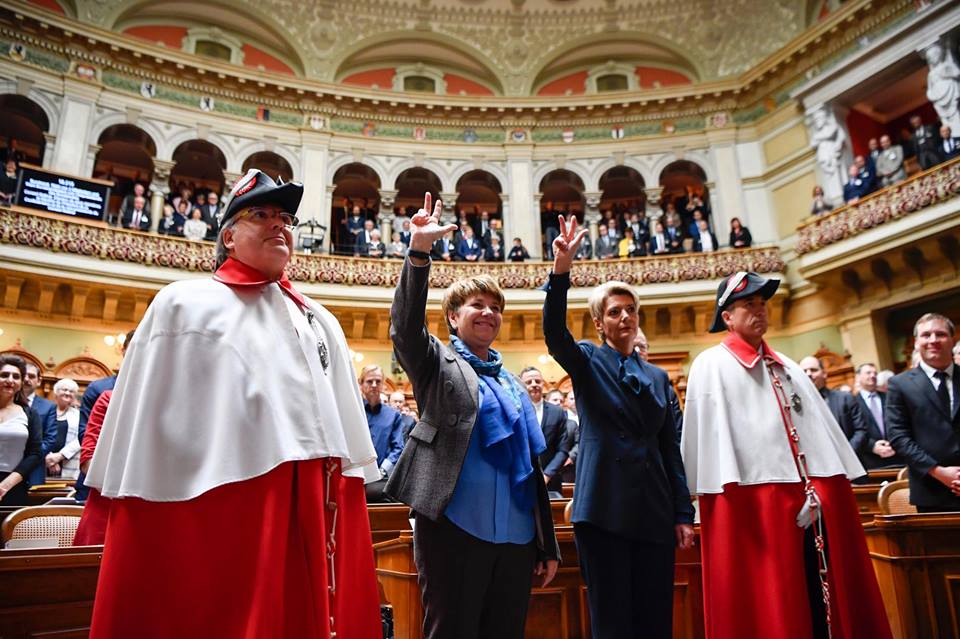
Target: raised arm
560, 341
407, 330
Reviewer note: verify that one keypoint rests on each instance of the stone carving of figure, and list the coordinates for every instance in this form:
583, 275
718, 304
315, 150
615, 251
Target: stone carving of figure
943, 83
829, 139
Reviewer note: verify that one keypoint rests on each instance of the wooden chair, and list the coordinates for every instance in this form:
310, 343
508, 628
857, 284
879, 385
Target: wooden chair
894, 498
42, 522
902, 475
568, 512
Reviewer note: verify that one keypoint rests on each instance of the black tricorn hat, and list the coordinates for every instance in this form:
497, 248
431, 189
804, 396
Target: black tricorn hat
736, 287
257, 188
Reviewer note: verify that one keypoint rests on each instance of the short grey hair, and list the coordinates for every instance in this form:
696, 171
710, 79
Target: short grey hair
222, 252
65, 384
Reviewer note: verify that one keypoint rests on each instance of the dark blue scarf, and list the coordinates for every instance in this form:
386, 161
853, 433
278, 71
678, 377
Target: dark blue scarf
510, 435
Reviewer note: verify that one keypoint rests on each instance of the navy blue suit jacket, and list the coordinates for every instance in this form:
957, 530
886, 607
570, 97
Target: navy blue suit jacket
90, 396
630, 476
46, 412
867, 456
559, 443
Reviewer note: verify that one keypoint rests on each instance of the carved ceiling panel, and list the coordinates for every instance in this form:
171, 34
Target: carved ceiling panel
517, 39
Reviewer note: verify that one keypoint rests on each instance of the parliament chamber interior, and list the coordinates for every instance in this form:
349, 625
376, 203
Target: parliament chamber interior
814, 142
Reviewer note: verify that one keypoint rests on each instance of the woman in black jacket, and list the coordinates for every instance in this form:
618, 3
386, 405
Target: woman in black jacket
739, 234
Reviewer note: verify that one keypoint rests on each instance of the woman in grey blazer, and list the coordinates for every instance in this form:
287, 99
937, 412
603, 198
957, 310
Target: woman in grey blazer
469, 470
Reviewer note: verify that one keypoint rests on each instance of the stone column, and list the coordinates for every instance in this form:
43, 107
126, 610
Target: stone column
726, 199
505, 240
449, 214
89, 160
524, 209
591, 214
317, 193
159, 188
865, 334
385, 218
76, 120
50, 141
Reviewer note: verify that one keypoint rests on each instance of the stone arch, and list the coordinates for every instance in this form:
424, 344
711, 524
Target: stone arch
254, 147
593, 184
421, 176
192, 164
675, 55
453, 42
622, 189
446, 184
574, 167
369, 161
465, 167
25, 121
354, 185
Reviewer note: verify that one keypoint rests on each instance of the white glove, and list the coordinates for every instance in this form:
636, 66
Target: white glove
808, 514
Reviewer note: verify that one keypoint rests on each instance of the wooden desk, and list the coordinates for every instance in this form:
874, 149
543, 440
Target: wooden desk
881, 475
48, 592
557, 612
917, 561
867, 504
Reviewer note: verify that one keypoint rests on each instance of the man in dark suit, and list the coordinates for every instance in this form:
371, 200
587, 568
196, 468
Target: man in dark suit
926, 142
364, 237
856, 187
46, 412
705, 240
405, 232
398, 401
469, 248
878, 453
949, 145
137, 217
210, 213
556, 432
842, 405
607, 248
659, 245
923, 420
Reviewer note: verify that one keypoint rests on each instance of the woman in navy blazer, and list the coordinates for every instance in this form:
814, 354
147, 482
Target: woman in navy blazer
631, 505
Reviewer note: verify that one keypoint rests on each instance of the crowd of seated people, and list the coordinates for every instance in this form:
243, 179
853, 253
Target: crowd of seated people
886, 163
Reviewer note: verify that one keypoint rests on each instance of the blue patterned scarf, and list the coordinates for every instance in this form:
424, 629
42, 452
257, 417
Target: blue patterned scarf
510, 436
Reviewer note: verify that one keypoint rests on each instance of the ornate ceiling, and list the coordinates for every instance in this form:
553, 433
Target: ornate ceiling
509, 44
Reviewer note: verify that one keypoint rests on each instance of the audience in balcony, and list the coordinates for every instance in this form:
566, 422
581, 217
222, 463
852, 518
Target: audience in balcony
137, 217
674, 233
739, 234
641, 227
400, 218
355, 224
397, 247
171, 223
890, 162
376, 247
405, 233
629, 246
494, 250
211, 213
469, 248
820, 204
363, 239
607, 245
195, 229
129, 204
659, 243
874, 152
926, 142
867, 173
613, 229
493, 230
704, 241
8, 182
949, 145
444, 249
856, 187
519, 252
585, 252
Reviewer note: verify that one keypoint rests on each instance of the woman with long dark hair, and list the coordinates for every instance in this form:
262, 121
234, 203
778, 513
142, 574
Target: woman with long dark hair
20, 433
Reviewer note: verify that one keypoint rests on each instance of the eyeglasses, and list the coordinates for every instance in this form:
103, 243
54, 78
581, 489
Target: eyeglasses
261, 216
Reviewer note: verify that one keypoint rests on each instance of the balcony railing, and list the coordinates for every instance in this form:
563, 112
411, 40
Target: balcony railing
921, 191
55, 233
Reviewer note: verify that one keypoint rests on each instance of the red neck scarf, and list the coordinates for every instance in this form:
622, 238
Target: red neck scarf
746, 354
233, 272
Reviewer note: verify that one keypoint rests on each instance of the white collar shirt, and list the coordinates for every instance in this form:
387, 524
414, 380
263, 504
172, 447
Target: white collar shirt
931, 372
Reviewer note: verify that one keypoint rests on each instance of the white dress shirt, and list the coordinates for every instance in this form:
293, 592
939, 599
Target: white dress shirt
930, 371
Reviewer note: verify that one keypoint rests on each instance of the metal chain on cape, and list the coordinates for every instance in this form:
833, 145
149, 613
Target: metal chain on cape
331, 541
813, 499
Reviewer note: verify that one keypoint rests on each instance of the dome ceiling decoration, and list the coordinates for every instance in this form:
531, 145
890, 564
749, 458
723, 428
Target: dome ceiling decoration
517, 42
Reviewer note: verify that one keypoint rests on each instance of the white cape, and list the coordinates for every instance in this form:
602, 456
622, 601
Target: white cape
222, 384
733, 431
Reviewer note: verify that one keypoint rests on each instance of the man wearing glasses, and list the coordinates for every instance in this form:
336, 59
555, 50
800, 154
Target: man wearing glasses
235, 450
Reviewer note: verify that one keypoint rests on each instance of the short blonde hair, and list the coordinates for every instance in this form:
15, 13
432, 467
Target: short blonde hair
600, 295
462, 290
366, 370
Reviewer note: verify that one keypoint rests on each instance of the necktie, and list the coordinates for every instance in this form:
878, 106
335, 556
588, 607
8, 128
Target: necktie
942, 391
877, 412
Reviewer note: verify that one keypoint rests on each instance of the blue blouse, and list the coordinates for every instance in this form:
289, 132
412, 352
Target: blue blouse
483, 504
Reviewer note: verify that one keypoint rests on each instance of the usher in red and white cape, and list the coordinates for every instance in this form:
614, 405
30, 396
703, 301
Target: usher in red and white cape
739, 462
236, 461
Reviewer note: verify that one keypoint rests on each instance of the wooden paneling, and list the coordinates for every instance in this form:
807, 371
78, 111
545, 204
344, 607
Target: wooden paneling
917, 560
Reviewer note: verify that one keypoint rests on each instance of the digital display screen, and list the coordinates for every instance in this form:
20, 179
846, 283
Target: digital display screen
67, 195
